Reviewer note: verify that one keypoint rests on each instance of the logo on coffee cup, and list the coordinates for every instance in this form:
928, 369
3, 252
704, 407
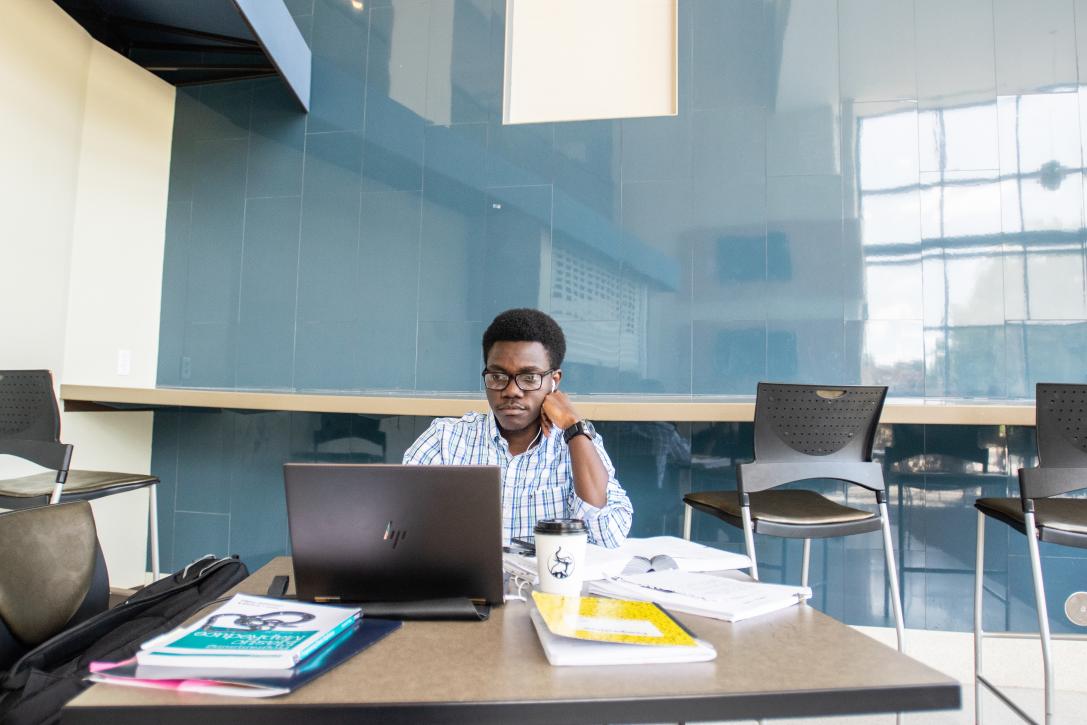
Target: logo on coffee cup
560, 566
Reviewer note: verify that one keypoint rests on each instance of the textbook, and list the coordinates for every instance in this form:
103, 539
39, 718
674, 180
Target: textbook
247, 682
658, 553
708, 595
591, 631
636, 556
250, 632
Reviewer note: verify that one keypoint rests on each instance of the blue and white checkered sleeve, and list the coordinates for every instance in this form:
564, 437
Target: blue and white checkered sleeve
609, 525
427, 448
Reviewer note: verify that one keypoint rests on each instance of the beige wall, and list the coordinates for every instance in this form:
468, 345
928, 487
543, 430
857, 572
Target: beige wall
43, 79
115, 282
83, 182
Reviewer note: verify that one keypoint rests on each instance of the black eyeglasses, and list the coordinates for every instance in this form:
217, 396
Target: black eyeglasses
525, 381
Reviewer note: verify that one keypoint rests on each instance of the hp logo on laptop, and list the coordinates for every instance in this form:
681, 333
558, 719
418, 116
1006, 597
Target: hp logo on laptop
394, 535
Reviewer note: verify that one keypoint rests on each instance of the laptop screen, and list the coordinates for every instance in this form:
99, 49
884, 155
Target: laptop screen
393, 533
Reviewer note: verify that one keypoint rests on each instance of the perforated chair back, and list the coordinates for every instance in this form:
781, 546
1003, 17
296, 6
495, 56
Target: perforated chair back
801, 422
1061, 425
30, 419
28, 408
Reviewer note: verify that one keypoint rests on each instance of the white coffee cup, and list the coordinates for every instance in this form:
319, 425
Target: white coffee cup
560, 555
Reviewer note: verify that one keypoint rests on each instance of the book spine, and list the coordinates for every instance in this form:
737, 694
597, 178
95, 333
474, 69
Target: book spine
320, 641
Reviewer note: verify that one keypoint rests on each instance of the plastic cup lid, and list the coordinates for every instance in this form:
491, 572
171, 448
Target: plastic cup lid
560, 526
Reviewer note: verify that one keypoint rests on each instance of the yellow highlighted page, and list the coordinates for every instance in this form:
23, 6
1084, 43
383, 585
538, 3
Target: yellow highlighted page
610, 620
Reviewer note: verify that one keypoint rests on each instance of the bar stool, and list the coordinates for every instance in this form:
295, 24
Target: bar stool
1040, 514
805, 432
30, 429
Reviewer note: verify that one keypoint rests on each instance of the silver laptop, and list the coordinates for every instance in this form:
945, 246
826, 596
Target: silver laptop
391, 533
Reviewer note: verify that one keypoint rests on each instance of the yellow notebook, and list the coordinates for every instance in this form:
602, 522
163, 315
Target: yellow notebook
610, 620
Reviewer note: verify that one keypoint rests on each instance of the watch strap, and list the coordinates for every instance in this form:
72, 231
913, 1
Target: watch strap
580, 428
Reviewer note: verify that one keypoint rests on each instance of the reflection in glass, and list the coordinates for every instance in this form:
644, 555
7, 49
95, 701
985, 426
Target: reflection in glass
1001, 233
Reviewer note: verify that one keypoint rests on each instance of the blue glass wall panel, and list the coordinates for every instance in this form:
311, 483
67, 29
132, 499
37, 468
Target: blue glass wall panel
853, 191
223, 492
881, 192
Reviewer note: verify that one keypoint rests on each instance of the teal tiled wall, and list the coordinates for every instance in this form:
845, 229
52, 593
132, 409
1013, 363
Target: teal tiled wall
876, 191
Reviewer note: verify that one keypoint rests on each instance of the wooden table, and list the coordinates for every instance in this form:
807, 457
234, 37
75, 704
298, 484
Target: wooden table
791, 663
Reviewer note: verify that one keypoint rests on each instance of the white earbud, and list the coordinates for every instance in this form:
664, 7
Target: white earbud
553, 386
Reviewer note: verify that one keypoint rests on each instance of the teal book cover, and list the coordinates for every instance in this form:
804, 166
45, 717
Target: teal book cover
250, 631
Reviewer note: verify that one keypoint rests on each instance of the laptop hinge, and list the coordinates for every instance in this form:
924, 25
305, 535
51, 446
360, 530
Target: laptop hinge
326, 598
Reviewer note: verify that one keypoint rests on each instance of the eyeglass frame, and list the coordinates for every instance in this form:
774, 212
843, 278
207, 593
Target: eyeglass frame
516, 382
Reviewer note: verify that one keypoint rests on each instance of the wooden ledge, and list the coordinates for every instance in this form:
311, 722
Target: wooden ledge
594, 407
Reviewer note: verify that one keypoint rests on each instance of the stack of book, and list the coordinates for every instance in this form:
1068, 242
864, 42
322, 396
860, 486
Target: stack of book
250, 647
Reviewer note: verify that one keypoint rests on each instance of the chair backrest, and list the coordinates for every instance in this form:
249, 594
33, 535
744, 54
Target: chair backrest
30, 419
821, 422
1061, 414
1061, 431
53, 576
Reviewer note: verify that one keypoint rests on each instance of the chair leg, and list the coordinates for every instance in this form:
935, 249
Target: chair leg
1043, 612
979, 593
749, 541
153, 529
687, 522
892, 574
807, 562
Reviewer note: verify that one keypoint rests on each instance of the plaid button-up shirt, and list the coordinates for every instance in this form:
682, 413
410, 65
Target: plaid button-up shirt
537, 484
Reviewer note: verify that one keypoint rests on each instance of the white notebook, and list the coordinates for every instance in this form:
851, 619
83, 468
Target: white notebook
719, 597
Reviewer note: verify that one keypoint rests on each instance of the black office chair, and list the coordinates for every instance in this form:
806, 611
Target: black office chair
53, 577
805, 432
30, 429
1061, 430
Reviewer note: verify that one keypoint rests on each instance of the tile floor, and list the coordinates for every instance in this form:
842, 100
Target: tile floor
1007, 662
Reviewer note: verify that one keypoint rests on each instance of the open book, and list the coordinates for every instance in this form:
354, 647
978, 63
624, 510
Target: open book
660, 553
641, 564
720, 597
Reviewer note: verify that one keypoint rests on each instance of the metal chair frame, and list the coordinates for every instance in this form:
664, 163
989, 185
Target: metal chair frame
781, 457
1062, 468
33, 433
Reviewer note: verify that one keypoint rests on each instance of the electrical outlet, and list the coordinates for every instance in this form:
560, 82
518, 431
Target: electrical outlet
186, 367
124, 362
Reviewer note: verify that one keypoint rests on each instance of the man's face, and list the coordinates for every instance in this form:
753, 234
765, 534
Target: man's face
516, 409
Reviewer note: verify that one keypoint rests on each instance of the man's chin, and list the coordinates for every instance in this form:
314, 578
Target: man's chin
514, 423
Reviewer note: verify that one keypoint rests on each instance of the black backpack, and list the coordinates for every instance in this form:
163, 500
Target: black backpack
37, 686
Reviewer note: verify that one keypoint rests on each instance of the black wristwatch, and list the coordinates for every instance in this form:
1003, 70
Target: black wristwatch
580, 428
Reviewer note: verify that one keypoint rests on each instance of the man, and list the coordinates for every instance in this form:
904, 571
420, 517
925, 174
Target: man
553, 462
